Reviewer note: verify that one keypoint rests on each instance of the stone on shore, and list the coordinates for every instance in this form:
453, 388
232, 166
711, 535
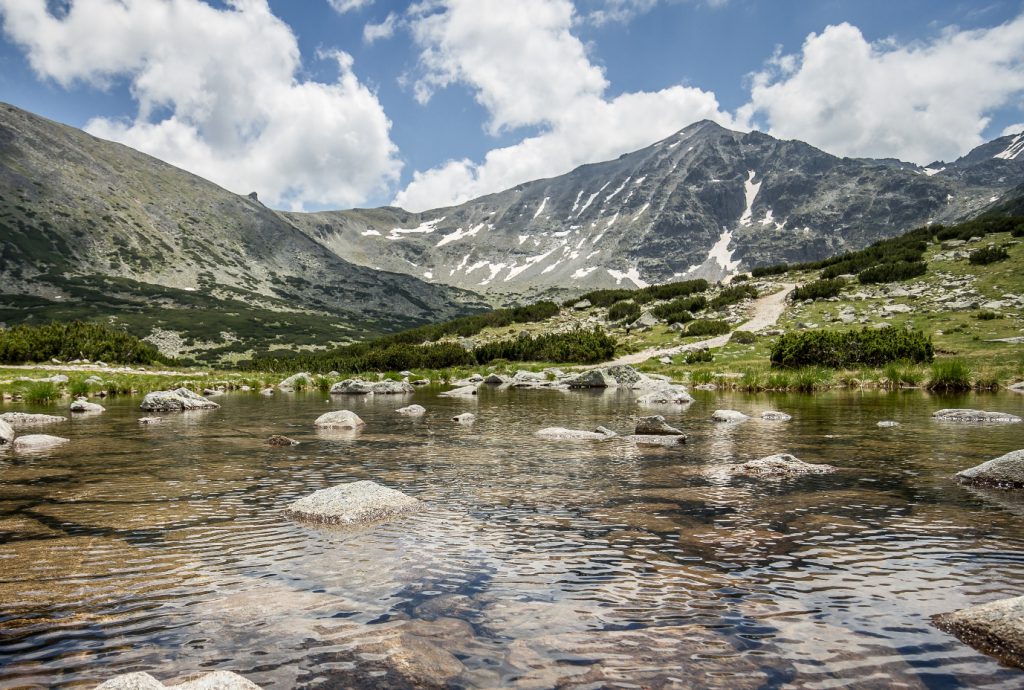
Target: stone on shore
281, 441
1004, 472
19, 420
352, 387
339, 419
995, 628
557, 433
666, 395
83, 405
38, 442
780, 465
6, 433
728, 416
464, 418
655, 439
289, 384
496, 380
176, 400
216, 680
463, 392
625, 376
412, 410
655, 426
353, 503
775, 416
975, 416
594, 378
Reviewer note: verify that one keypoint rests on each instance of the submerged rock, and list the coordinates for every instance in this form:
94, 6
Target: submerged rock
176, 400
1005, 472
464, 418
352, 387
38, 442
655, 439
655, 426
83, 405
728, 416
216, 680
339, 419
779, 465
19, 420
412, 410
150, 420
353, 503
995, 628
605, 430
6, 433
281, 441
974, 416
463, 392
775, 416
557, 433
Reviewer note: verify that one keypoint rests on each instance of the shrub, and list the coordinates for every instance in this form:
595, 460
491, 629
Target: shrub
74, 340
988, 255
680, 310
987, 315
623, 310
678, 289
837, 349
775, 270
578, 346
950, 375
740, 278
819, 289
707, 327
888, 273
743, 338
900, 374
602, 298
733, 295
77, 387
698, 356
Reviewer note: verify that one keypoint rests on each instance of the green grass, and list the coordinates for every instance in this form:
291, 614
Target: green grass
950, 375
41, 392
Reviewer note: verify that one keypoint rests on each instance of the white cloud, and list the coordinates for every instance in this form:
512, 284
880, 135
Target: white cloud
211, 103
376, 32
526, 68
1013, 129
918, 102
344, 6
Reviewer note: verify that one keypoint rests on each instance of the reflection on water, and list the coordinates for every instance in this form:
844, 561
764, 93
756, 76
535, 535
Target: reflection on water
537, 564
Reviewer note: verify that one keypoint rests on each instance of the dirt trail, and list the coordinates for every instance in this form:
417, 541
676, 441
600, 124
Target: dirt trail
766, 312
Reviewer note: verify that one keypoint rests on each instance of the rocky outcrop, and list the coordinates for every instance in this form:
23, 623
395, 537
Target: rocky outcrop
295, 380
177, 400
463, 392
557, 433
216, 680
728, 416
1005, 472
38, 442
526, 379
353, 503
775, 416
995, 628
464, 418
281, 441
974, 416
412, 411
780, 465
20, 420
339, 419
655, 426
352, 387
6, 433
83, 405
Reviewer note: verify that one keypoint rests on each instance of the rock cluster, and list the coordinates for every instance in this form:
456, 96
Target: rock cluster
360, 387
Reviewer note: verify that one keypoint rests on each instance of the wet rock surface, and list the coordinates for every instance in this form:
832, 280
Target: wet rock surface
339, 419
1006, 471
353, 503
974, 416
995, 628
180, 399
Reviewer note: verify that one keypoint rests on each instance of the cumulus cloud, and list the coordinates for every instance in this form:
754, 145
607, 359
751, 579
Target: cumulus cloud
918, 102
386, 29
527, 69
211, 103
343, 6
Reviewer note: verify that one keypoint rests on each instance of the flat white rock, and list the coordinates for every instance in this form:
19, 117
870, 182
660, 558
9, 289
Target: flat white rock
38, 442
352, 503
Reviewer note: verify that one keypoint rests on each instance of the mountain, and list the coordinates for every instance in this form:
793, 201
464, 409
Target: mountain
89, 228
704, 202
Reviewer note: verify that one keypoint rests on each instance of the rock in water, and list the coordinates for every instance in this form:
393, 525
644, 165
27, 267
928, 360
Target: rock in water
667, 395
217, 680
464, 418
655, 426
780, 465
557, 433
595, 378
38, 442
392, 388
176, 400
352, 387
132, 681
150, 420
775, 416
267, 392
339, 419
6, 433
281, 441
289, 384
1005, 472
412, 410
354, 503
625, 375
730, 416
655, 439
463, 392
995, 628
496, 380
20, 420
887, 424
974, 416
83, 405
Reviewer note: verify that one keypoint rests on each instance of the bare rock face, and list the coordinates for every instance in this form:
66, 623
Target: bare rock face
995, 628
217, 680
281, 441
461, 392
412, 410
353, 503
655, 426
975, 416
339, 419
780, 465
38, 442
83, 405
175, 401
6, 433
557, 433
728, 416
1005, 472
20, 420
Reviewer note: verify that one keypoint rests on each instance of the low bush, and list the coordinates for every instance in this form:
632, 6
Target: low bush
743, 338
74, 340
41, 392
710, 327
680, 310
892, 272
775, 270
606, 298
578, 346
950, 375
733, 295
624, 310
819, 289
871, 347
988, 255
987, 315
698, 356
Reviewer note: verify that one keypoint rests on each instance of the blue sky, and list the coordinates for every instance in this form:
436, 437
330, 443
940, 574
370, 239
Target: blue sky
448, 99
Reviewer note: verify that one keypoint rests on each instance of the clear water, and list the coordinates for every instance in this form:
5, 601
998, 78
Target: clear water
535, 564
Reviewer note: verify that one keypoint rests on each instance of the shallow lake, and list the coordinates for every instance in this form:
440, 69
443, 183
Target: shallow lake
534, 563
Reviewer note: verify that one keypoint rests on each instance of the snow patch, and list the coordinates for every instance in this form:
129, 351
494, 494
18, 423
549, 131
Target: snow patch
767, 218
515, 270
429, 275
583, 272
640, 180
1015, 148
721, 253
577, 202
495, 270
560, 233
541, 207
523, 238
932, 171
993, 198
750, 190
589, 202
459, 234
612, 220
368, 233
477, 265
621, 187
597, 239
641, 211
551, 267
423, 228
632, 275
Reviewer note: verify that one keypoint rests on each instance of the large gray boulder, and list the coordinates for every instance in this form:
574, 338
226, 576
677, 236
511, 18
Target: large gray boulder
412, 411
289, 384
176, 400
462, 392
38, 442
780, 465
353, 503
6, 433
666, 395
557, 433
339, 419
392, 388
655, 426
525, 379
216, 680
496, 380
82, 405
625, 376
352, 387
974, 416
1006, 472
995, 628
20, 420
594, 378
